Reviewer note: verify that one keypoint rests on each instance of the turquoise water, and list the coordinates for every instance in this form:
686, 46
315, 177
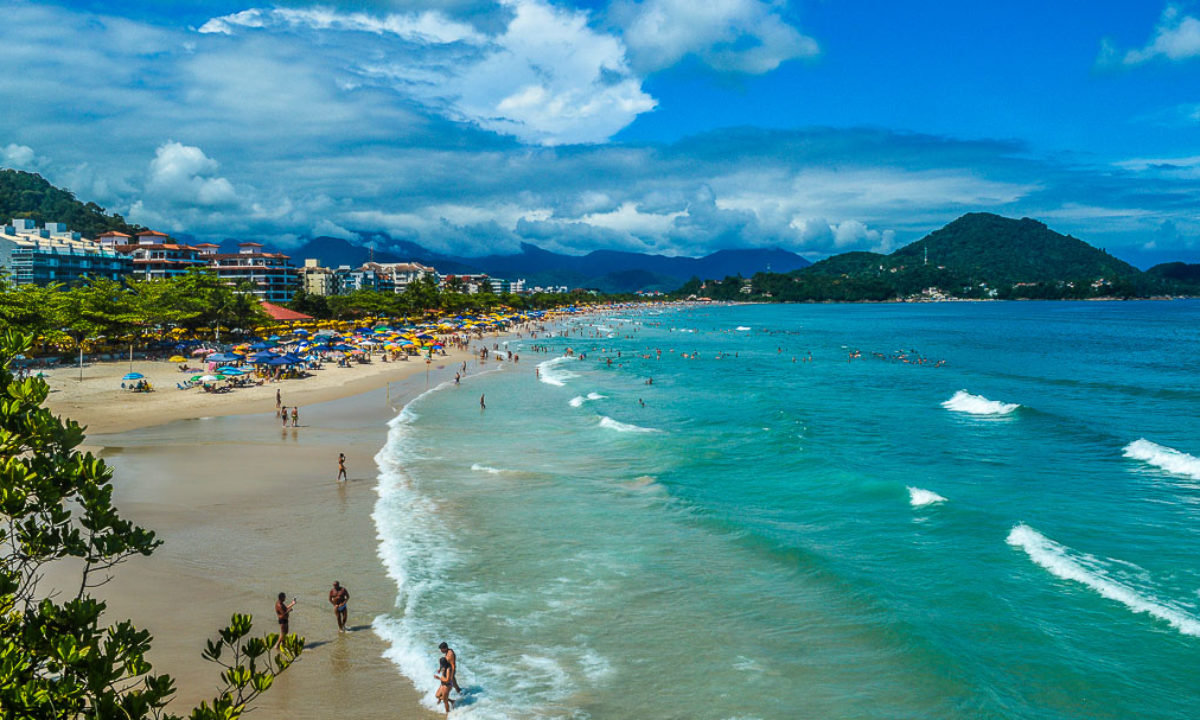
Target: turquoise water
1011, 534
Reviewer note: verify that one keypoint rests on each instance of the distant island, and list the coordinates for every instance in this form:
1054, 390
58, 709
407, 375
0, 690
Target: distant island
979, 256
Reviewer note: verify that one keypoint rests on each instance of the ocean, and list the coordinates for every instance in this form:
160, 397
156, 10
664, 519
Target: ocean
960, 510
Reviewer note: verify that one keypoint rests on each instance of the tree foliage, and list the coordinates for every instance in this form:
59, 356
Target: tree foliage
59, 657
28, 195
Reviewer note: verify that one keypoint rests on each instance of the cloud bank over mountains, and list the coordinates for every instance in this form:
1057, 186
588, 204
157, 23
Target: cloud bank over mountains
473, 127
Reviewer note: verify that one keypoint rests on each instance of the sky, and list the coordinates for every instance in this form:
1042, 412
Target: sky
667, 126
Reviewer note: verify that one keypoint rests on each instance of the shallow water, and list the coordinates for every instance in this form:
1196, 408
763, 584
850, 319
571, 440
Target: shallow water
1011, 534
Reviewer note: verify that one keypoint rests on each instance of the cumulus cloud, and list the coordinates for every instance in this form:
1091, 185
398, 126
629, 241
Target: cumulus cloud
184, 174
18, 157
1176, 37
547, 78
740, 36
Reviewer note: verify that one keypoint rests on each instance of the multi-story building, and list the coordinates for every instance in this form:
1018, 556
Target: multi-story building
381, 277
316, 279
155, 255
500, 286
465, 283
271, 275
53, 253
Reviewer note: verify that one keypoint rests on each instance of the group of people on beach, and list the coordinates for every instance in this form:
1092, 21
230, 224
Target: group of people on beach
281, 411
339, 598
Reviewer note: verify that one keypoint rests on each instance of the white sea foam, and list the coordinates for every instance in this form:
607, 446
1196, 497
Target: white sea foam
485, 469
964, 402
579, 400
1164, 458
607, 422
1061, 562
742, 328
918, 497
551, 372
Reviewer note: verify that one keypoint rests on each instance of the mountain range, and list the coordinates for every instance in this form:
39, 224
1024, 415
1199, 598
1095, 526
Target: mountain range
977, 253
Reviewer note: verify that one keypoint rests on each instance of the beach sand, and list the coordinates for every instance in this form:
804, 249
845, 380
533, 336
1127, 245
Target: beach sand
246, 510
98, 401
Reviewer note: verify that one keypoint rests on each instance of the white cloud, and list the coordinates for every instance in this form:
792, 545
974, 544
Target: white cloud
1176, 37
743, 36
184, 174
547, 78
429, 26
18, 157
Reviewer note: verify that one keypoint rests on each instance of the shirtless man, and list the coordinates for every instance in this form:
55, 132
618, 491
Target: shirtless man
341, 467
338, 597
453, 659
283, 613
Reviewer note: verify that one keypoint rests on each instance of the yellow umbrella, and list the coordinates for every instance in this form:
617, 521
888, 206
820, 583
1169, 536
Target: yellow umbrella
177, 358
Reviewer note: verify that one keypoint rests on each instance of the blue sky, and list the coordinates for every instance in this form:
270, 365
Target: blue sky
669, 126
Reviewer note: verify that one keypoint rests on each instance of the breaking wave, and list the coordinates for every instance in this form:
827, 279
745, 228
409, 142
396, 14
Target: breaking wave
1164, 458
1088, 571
920, 498
964, 402
607, 422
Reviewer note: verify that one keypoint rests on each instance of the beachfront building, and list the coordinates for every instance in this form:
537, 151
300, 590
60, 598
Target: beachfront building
156, 256
465, 283
316, 279
52, 253
272, 276
500, 285
380, 277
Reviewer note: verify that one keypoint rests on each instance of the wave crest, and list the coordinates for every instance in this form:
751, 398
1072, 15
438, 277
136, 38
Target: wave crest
1087, 571
918, 497
551, 373
607, 422
964, 402
1164, 458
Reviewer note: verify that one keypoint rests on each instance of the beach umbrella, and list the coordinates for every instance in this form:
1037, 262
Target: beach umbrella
273, 338
207, 378
177, 358
202, 351
133, 376
302, 332
223, 358
231, 371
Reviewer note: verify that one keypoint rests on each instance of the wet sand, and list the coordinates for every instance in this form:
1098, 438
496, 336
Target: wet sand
247, 510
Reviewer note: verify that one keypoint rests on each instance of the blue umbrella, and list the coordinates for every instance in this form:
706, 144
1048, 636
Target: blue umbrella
262, 357
301, 332
133, 376
273, 338
231, 371
223, 358
260, 345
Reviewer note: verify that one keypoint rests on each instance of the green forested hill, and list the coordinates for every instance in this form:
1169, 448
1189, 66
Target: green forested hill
28, 195
979, 255
1003, 250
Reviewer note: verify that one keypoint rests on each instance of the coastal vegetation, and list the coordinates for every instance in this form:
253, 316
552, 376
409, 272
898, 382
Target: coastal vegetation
60, 655
29, 195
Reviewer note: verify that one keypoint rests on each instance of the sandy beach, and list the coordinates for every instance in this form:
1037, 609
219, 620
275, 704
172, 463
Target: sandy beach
245, 510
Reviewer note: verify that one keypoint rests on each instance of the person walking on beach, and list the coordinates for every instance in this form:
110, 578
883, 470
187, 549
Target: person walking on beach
278, 399
338, 598
450, 657
295, 416
283, 414
341, 467
283, 613
482, 404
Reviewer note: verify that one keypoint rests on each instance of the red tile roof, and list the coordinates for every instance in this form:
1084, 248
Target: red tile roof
282, 313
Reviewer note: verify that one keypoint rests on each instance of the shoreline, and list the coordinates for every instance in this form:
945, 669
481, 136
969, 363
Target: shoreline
245, 512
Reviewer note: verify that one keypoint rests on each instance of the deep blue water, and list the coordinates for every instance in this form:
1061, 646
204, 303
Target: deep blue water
769, 537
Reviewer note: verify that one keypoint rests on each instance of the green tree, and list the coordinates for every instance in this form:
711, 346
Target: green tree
64, 660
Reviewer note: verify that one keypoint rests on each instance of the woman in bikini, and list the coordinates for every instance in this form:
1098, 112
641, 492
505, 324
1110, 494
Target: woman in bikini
443, 691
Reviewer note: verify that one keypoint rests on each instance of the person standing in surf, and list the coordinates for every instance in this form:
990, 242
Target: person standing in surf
339, 597
449, 656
